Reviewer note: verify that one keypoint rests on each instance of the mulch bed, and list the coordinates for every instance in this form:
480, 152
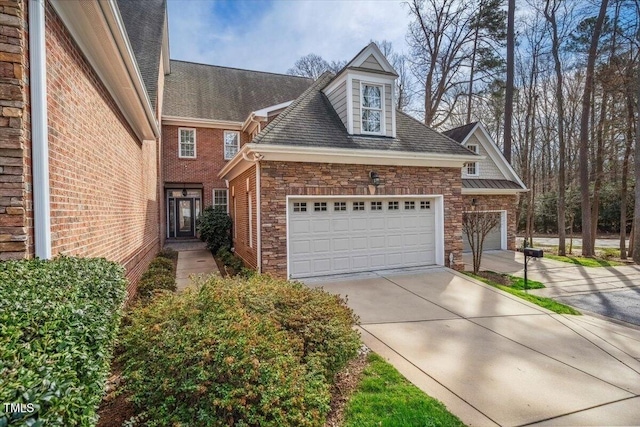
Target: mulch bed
346, 382
115, 408
495, 277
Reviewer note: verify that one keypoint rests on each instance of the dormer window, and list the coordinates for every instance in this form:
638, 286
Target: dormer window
372, 117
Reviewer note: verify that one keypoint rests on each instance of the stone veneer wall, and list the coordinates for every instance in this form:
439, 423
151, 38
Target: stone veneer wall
279, 179
15, 158
498, 202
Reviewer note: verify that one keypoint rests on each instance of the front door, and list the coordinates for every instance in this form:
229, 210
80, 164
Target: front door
185, 218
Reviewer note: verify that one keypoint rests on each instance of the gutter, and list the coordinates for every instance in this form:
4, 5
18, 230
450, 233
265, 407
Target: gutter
39, 130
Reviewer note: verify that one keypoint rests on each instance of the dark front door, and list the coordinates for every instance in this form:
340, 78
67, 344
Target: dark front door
185, 218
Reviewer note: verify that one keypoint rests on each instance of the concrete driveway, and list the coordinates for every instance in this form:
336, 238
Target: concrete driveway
492, 358
609, 291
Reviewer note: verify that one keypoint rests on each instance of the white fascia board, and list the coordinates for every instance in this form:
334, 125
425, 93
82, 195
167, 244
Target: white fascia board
236, 165
202, 123
272, 152
265, 111
493, 191
98, 30
372, 49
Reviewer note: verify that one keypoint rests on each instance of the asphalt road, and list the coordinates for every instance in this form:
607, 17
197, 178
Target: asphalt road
622, 305
577, 242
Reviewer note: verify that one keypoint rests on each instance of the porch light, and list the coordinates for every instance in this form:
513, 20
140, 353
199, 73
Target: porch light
375, 179
184, 192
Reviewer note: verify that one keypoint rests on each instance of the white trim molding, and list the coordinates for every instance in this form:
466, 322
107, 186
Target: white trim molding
286, 153
39, 130
201, 123
195, 152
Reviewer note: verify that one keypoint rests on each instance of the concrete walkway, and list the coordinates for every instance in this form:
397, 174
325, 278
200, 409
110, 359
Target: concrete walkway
492, 358
193, 259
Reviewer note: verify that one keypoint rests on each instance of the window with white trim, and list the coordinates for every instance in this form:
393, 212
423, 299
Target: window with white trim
410, 205
472, 167
425, 204
358, 206
340, 206
299, 207
371, 107
220, 199
393, 206
320, 206
376, 206
186, 143
231, 143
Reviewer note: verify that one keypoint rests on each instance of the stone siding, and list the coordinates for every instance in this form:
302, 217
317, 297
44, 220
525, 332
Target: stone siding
507, 203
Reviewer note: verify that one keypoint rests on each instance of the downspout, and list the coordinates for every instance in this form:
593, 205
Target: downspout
39, 130
256, 159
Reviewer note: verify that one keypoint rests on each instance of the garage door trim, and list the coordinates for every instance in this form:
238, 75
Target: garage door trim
438, 210
503, 226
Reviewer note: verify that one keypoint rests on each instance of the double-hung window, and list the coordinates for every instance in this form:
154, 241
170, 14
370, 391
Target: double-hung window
187, 143
472, 167
231, 144
371, 108
220, 199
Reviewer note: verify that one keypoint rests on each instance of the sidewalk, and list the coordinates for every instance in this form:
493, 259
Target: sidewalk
193, 259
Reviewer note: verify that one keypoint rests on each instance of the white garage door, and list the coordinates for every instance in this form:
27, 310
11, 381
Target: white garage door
333, 236
492, 241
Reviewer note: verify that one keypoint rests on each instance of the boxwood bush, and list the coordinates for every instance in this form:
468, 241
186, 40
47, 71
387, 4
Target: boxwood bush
257, 352
58, 322
160, 275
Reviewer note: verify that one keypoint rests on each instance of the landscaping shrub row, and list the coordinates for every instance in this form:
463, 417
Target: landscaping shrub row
160, 275
58, 322
244, 352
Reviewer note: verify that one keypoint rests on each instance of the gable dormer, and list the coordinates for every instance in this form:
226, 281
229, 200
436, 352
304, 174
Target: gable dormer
362, 94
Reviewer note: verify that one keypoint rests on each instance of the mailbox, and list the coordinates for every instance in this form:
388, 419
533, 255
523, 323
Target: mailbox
533, 253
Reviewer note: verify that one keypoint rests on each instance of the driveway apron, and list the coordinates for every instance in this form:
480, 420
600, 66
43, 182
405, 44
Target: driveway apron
491, 357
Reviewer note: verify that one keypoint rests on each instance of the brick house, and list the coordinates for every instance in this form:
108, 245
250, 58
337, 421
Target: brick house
108, 148
81, 96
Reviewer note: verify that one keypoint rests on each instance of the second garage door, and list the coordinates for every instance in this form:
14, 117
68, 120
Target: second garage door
492, 241
334, 236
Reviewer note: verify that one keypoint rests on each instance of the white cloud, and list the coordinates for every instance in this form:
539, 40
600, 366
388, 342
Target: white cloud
275, 36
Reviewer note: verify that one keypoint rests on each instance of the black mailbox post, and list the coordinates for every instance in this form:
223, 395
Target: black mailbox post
530, 253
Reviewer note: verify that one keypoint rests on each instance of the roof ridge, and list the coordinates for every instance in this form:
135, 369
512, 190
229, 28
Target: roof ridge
287, 111
461, 126
239, 69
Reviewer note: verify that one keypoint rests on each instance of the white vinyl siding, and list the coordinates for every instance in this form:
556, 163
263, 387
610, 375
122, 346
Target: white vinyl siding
388, 108
186, 143
355, 99
231, 144
338, 99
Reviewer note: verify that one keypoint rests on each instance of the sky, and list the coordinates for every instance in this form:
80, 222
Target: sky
270, 35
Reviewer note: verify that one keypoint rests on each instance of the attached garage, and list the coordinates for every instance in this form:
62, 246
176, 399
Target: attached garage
495, 240
338, 235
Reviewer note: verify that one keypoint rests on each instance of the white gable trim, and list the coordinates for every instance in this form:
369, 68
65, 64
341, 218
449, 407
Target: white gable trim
201, 123
494, 153
372, 49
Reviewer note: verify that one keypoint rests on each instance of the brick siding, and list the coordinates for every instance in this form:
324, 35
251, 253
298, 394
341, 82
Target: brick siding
238, 190
201, 170
279, 179
507, 203
15, 164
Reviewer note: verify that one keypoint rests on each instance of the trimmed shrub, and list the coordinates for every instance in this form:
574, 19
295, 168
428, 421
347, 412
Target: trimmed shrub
196, 358
169, 253
214, 227
258, 352
234, 263
160, 276
58, 323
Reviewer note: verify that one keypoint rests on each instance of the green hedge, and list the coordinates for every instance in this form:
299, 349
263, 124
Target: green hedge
58, 322
259, 352
160, 275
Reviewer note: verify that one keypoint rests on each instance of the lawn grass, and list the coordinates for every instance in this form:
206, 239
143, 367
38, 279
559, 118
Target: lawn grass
543, 302
516, 282
385, 398
585, 262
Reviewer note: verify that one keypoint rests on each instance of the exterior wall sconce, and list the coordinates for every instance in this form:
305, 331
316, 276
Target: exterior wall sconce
374, 178
184, 192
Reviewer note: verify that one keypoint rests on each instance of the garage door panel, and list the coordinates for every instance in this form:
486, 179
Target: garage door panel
493, 240
340, 241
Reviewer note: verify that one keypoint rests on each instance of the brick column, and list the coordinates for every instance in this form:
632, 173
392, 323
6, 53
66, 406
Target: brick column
14, 149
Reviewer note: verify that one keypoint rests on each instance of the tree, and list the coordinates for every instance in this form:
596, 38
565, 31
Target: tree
636, 214
508, 102
550, 11
404, 83
476, 226
587, 243
313, 66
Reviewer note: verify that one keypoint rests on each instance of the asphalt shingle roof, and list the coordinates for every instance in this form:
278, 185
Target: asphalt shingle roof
497, 184
144, 23
461, 132
311, 121
221, 93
